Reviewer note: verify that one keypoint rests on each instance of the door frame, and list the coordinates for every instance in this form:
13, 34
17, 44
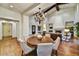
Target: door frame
3, 30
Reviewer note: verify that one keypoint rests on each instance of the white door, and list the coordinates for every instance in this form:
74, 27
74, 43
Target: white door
7, 29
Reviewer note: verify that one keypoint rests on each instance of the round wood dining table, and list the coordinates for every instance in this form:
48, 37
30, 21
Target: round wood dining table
33, 41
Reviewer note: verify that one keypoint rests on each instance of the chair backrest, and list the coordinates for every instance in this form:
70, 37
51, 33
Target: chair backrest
54, 36
57, 42
46, 39
25, 48
44, 49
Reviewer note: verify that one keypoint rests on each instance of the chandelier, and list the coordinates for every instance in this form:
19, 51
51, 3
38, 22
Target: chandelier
39, 16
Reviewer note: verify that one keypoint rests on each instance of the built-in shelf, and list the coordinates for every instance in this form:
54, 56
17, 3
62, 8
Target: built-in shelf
50, 27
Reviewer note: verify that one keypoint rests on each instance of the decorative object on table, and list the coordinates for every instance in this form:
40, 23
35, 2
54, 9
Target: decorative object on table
39, 36
48, 35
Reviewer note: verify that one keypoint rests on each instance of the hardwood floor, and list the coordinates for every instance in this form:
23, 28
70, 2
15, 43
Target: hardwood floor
68, 49
10, 46
65, 49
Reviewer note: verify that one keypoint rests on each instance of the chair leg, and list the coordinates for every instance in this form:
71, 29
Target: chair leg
55, 52
22, 53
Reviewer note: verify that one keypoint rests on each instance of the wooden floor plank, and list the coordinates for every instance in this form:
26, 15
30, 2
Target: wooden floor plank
10, 47
68, 49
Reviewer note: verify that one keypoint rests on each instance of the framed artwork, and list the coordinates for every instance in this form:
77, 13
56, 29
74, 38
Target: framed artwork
39, 28
33, 29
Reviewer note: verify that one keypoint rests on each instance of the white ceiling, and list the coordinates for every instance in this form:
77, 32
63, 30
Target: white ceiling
19, 7
31, 8
36, 9
61, 7
26, 8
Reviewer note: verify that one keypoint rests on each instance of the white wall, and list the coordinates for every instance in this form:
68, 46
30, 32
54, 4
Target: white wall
20, 28
0, 30
14, 34
17, 29
65, 15
5, 13
31, 22
25, 25
77, 13
8, 14
58, 23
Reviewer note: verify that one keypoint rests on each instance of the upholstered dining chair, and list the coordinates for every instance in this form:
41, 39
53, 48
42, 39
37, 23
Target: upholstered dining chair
44, 49
56, 45
26, 49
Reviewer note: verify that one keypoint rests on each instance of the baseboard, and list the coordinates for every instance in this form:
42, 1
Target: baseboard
7, 36
14, 37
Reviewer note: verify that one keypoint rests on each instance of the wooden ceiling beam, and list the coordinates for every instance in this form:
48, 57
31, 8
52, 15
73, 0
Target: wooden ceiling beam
55, 5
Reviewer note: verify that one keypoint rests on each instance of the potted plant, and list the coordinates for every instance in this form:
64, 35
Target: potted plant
77, 29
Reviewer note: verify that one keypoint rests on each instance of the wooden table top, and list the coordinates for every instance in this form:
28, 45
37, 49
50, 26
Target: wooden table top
33, 41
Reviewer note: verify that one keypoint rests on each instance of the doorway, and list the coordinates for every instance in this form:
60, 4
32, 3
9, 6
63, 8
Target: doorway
6, 30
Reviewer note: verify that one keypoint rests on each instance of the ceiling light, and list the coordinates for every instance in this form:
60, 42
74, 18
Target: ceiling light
11, 6
39, 16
